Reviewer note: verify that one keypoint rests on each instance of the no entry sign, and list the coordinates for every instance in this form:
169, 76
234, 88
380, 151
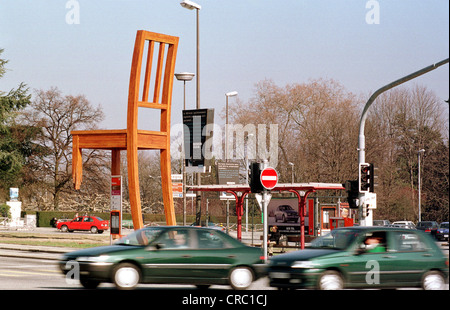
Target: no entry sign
269, 178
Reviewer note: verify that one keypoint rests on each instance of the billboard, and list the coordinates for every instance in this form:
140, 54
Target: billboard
283, 213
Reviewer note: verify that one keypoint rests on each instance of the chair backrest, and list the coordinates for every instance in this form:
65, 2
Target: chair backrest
138, 95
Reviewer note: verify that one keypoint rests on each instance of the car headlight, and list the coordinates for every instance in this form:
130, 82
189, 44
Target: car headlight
304, 264
93, 259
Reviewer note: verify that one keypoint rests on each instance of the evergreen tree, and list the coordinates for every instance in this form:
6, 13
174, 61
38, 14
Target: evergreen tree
15, 140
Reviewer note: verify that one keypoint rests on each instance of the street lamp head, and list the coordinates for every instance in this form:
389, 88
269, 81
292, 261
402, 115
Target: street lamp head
184, 76
422, 151
190, 5
231, 94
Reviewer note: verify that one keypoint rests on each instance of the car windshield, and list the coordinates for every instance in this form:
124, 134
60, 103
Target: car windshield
444, 225
140, 237
338, 239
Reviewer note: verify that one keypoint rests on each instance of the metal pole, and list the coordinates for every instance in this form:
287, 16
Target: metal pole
226, 129
198, 200
361, 137
419, 183
265, 227
265, 218
184, 162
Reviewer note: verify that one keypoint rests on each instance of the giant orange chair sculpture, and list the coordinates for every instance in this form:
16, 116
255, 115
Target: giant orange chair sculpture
132, 139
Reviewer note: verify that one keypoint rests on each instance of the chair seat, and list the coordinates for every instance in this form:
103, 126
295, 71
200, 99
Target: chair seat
117, 139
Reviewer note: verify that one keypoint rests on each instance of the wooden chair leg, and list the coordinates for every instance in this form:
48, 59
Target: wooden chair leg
133, 187
166, 183
77, 163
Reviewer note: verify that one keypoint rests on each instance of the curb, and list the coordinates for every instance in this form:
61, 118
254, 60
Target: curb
32, 251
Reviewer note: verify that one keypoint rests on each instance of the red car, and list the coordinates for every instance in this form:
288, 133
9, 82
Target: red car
91, 223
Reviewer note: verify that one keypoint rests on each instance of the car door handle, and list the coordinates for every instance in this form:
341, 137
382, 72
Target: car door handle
427, 255
186, 256
231, 256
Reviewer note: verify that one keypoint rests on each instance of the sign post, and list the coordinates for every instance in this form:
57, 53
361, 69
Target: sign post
269, 179
116, 207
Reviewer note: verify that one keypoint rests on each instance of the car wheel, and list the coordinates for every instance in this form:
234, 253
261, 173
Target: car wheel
64, 228
94, 230
88, 283
241, 278
331, 280
126, 276
433, 280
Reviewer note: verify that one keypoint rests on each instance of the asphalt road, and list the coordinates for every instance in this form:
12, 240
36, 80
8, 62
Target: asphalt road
42, 274
36, 269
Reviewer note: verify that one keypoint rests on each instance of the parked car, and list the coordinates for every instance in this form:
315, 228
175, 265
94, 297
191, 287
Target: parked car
286, 213
405, 224
169, 254
94, 224
381, 223
442, 232
373, 257
430, 227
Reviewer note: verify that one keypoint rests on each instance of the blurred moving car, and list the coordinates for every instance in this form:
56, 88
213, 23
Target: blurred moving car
404, 224
372, 257
442, 232
381, 222
430, 227
94, 224
169, 254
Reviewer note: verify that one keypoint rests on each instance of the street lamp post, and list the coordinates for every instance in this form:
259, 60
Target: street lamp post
229, 94
187, 4
419, 181
184, 76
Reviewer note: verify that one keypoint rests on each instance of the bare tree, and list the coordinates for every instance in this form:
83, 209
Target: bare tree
57, 115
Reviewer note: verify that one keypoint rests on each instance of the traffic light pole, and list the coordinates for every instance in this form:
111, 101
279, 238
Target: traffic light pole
361, 137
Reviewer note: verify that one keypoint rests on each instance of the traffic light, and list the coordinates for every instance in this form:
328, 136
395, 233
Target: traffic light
365, 210
255, 177
366, 177
351, 188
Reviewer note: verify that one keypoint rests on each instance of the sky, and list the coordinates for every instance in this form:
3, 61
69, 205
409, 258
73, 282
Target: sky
362, 44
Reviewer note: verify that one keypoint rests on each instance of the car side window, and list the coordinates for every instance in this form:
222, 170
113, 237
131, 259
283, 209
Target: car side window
175, 239
374, 242
208, 239
88, 219
408, 242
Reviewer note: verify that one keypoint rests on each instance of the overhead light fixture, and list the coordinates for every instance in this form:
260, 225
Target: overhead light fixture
184, 76
190, 5
231, 94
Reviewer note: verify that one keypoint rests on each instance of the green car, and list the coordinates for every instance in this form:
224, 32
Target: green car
372, 257
172, 254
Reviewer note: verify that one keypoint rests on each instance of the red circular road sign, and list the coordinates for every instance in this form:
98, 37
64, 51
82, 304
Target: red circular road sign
269, 178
